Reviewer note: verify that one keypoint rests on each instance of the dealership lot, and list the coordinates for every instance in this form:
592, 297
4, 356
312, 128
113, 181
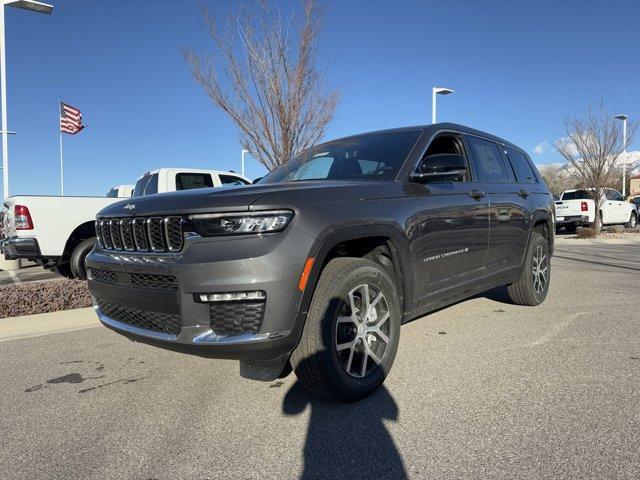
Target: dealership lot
482, 389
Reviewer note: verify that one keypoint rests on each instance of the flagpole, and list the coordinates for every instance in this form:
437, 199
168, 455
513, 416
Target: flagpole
61, 163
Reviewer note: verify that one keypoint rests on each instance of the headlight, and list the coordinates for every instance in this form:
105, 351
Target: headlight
216, 224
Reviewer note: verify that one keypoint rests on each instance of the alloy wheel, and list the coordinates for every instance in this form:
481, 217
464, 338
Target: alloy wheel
540, 269
363, 330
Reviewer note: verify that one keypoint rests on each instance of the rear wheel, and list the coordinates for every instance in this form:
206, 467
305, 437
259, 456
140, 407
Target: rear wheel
78, 257
633, 221
532, 286
352, 331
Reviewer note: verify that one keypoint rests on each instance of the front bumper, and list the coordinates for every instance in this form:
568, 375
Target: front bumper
268, 263
17, 247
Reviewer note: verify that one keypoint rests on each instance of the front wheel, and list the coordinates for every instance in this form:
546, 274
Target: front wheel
633, 221
351, 335
533, 285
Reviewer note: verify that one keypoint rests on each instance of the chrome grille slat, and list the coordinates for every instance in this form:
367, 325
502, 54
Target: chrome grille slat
173, 233
106, 234
141, 234
127, 234
156, 234
116, 236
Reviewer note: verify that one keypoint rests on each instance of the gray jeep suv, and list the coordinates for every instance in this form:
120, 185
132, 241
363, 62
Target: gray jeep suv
314, 268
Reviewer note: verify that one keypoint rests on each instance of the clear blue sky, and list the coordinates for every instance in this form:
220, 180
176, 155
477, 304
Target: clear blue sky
518, 68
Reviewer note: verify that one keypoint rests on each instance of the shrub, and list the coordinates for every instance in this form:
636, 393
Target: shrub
587, 233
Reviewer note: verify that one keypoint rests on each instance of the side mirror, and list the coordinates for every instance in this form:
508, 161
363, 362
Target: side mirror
256, 180
441, 166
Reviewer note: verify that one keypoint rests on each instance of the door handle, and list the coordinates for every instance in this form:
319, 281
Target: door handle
476, 194
524, 193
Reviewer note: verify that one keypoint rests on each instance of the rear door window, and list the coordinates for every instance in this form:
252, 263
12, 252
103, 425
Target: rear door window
488, 160
189, 181
521, 167
232, 180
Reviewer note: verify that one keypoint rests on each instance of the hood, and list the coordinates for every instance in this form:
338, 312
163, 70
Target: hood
232, 199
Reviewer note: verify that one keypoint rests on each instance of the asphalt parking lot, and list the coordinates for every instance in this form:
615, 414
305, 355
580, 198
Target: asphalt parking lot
29, 273
482, 389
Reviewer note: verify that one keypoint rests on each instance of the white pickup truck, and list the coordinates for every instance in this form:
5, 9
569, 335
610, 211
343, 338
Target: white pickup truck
577, 208
59, 232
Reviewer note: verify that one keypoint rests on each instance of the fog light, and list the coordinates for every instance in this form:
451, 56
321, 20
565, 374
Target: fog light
231, 296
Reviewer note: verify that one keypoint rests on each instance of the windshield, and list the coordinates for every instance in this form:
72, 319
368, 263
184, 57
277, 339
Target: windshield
147, 185
373, 156
577, 195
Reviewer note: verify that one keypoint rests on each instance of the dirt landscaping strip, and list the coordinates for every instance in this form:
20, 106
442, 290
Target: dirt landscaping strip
42, 297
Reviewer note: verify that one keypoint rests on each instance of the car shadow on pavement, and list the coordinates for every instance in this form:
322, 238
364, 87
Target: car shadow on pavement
347, 440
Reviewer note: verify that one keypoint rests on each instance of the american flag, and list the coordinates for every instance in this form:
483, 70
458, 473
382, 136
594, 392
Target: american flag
70, 119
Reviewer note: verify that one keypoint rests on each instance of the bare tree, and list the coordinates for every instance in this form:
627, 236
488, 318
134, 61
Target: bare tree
592, 146
275, 93
557, 179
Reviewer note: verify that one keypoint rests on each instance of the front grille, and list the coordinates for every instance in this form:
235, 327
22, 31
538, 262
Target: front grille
100, 275
155, 321
141, 234
233, 318
159, 282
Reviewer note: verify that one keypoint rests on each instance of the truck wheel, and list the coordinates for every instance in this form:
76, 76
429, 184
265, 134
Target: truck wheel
78, 257
63, 269
352, 331
633, 221
532, 286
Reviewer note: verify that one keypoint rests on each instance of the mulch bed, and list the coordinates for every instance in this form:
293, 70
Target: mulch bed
42, 297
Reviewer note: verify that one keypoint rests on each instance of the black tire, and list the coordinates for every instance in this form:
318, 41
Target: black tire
78, 257
63, 269
571, 229
633, 221
529, 290
317, 362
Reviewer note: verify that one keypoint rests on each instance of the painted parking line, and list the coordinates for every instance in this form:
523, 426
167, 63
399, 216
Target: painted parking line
14, 277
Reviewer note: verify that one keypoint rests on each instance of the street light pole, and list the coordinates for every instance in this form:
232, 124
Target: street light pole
437, 91
25, 5
242, 169
623, 117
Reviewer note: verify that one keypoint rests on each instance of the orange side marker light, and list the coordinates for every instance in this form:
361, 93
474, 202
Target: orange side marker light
306, 271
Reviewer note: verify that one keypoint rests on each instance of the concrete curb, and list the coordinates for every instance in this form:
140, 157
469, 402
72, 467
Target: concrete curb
45, 323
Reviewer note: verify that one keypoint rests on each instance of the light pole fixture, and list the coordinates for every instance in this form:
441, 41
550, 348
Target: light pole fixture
38, 7
623, 117
242, 167
437, 91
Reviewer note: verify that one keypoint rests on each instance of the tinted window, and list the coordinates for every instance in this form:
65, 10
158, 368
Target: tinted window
113, 193
232, 180
488, 160
147, 185
441, 145
521, 167
373, 156
577, 195
188, 181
